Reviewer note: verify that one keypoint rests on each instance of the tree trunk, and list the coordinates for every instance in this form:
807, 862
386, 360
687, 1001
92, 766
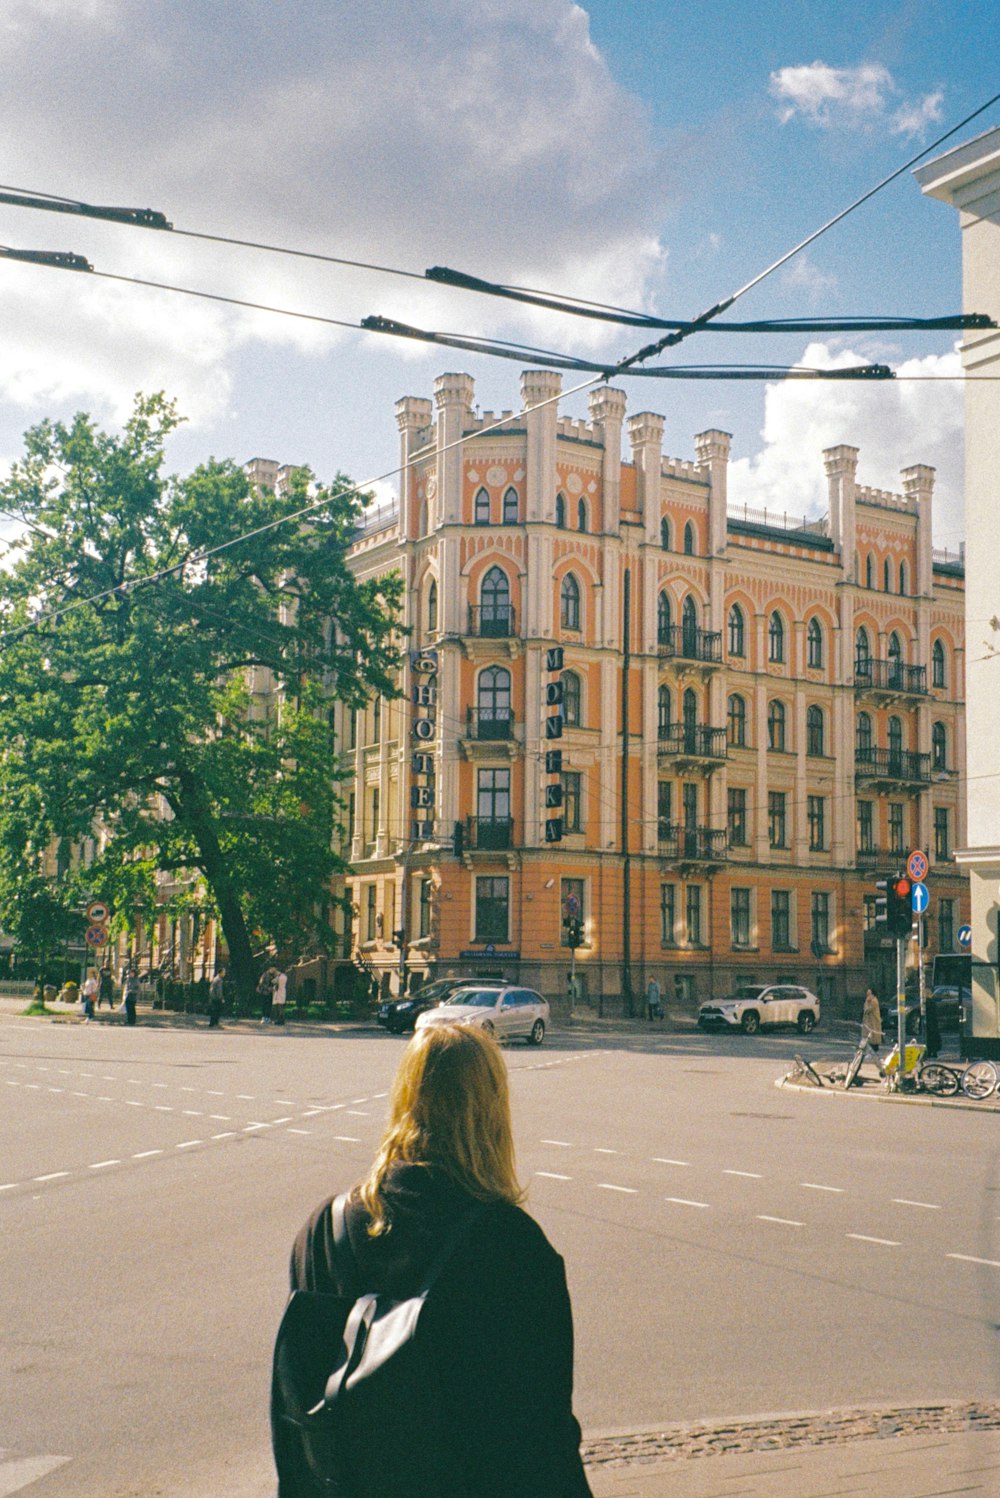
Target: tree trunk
192, 808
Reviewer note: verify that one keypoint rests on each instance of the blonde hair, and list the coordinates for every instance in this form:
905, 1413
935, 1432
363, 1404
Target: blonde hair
449, 1109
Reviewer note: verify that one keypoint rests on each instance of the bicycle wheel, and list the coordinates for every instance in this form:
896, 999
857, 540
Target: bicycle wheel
940, 1080
854, 1066
979, 1079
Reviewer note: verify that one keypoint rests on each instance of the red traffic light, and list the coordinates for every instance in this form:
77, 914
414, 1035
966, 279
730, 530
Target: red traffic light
902, 888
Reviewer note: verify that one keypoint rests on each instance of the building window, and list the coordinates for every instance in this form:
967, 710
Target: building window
869, 571
820, 922
352, 812
894, 738
736, 816
776, 725
432, 607
737, 722
493, 701
663, 619
664, 809
814, 731
814, 645
689, 803
862, 649
689, 540
689, 627
689, 715
494, 599
571, 699
662, 712
739, 917
581, 514
481, 512
352, 728
371, 916
571, 891
866, 827
816, 812
377, 721
665, 533
373, 810
895, 653
897, 842
694, 932
569, 602
939, 746
424, 908
572, 811
886, 577
510, 507
560, 512
942, 832
493, 796
776, 638
937, 665
668, 914
492, 908
781, 931
869, 913
737, 637
902, 579
946, 925
777, 829
863, 737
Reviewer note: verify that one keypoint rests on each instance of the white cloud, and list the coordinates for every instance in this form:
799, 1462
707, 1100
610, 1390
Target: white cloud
851, 98
912, 419
804, 275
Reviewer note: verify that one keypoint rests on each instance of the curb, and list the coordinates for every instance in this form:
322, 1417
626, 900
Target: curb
924, 1100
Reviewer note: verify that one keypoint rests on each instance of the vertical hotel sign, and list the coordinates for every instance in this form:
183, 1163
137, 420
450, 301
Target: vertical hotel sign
423, 731
553, 757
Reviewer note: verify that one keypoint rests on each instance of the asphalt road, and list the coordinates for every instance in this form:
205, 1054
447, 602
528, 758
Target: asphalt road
731, 1249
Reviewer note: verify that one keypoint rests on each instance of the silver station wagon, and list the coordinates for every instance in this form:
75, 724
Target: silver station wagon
504, 1009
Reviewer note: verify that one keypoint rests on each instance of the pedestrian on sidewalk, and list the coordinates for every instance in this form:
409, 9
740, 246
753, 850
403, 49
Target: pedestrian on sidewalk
654, 1002
216, 994
88, 992
871, 1021
130, 994
105, 988
265, 986
279, 993
498, 1317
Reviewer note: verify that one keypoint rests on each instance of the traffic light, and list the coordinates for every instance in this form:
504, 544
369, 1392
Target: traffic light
574, 930
893, 907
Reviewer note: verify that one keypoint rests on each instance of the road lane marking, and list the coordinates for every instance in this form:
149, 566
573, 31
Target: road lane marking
682, 1201
311, 1112
552, 1175
103, 1164
285, 1102
627, 1190
785, 1222
300, 1131
812, 1186
247, 1128
901, 1201
9, 1185
162, 1108
562, 1144
228, 1134
56, 1175
379, 1095
599, 1151
215, 1092
968, 1259
183, 1089
863, 1238
245, 1097
346, 1139
146, 1154
160, 1084
751, 1175
189, 1144
276, 1121
221, 1117
57, 1089
659, 1160
131, 1102
193, 1112
20, 1472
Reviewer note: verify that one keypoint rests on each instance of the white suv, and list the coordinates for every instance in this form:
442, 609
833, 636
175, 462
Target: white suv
757, 1004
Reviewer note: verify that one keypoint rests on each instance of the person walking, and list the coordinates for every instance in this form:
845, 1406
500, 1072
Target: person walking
279, 993
871, 1021
130, 995
265, 987
498, 1322
216, 994
105, 988
654, 1002
88, 992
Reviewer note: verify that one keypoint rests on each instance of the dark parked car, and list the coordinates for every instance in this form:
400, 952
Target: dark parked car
949, 1007
400, 1015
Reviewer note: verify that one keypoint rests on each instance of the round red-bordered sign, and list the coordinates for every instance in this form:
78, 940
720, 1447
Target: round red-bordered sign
916, 865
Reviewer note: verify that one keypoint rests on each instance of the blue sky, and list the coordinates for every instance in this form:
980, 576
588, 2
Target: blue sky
644, 152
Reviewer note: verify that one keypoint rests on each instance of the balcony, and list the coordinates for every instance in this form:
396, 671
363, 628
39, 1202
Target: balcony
692, 744
885, 860
887, 680
492, 621
495, 724
489, 834
892, 767
692, 847
689, 647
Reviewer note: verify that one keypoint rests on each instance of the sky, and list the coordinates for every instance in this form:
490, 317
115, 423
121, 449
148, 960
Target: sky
647, 153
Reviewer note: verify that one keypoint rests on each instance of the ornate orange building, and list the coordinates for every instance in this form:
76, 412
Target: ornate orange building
703, 732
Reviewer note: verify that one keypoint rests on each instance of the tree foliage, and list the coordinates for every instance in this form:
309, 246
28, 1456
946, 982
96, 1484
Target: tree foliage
173, 694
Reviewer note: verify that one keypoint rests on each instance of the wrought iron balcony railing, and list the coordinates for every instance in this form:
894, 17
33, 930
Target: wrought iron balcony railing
491, 621
490, 722
687, 642
692, 741
682, 844
902, 765
489, 834
890, 676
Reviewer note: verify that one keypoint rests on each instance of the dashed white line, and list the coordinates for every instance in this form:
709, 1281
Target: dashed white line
215, 1092
968, 1259
358, 1112
8, 1186
552, 1175
660, 1160
560, 1143
300, 1131
607, 1186
785, 1222
245, 1097
57, 1089
346, 1139
193, 1112
599, 1151
162, 1108
358, 1100
227, 1134
188, 1089
751, 1175
146, 1154
103, 1164
901, 1201
189, 1144
285, 1102
131, 1102
812, 1186
276, 1121
682, 1201
55, 1175
220, 1117
863, 1238
160, 1084
248, 1128
311, 1112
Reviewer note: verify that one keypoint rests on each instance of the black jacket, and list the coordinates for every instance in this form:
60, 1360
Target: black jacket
499, 1319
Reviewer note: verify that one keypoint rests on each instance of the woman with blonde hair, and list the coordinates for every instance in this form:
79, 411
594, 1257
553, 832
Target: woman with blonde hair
497, 1321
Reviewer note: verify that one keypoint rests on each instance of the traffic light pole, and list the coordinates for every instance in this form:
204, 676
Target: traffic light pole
901, 1010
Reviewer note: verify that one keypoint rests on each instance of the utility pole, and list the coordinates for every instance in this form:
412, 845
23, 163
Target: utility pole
626, 860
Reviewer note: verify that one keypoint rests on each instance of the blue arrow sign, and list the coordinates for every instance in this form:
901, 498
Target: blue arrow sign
919, 899
965, 936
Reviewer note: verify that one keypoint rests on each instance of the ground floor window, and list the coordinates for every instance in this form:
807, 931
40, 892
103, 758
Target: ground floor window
739, 911
820, 922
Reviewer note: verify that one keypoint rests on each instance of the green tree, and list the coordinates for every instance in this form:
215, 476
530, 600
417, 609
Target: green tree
181, 700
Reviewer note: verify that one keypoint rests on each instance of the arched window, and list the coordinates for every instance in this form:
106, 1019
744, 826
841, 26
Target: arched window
510, 507
571, 699
569, 602
862, 652
689, 540
902, 579
432, 606
481, 513
493, 702
869, 571
689, 715
863, 746
895, 741
665, 533
494, 597
737, 644
663, 619
814, 644
815, 730
581, 514
560, 512
663, 713
689, 627
776, 725
938, 678
886, 577
776, 638
895, 660
939, 747
737, 722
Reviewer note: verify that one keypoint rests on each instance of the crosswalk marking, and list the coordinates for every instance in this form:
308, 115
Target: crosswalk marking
17, 1472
